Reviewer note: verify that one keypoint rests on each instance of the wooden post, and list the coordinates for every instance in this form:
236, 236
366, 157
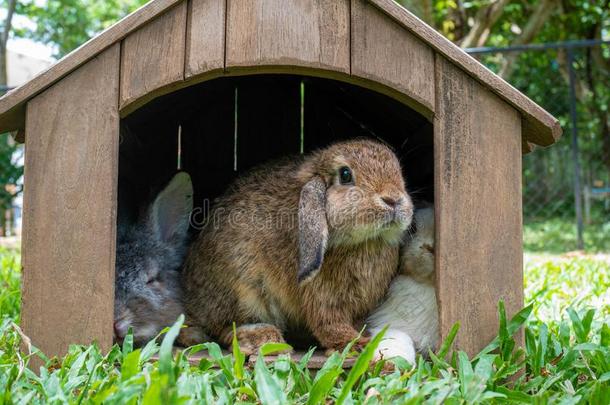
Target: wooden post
479, 258
70, 208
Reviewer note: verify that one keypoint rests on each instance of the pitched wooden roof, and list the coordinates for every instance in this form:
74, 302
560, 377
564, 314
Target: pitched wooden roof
539, 127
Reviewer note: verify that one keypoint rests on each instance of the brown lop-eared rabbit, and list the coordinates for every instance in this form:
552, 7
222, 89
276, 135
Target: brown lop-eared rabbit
307, 244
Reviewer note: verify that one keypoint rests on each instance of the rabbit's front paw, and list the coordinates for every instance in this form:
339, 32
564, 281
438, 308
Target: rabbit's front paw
358, 346
336, 337
190, 336
252, 337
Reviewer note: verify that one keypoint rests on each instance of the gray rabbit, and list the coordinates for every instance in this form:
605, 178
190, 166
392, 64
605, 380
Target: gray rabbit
150, 253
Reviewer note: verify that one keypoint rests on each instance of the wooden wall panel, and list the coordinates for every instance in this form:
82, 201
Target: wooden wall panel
70, 208
205, 37
479, 257
312, 33
385, 52
152, 58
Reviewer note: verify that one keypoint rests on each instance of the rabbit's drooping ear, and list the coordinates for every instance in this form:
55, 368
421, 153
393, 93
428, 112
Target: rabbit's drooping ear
170, 213
313, 228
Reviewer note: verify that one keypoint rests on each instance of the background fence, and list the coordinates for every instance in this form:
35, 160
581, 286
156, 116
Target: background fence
566, 190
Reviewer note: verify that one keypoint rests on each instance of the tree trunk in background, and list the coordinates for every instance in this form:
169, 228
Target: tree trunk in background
3, 73
541, 14
485, 19
422, 8
426, 6
6, 29
10, 223
460, 19
3, 222
582, 89
605, 134
601, 111
604, 116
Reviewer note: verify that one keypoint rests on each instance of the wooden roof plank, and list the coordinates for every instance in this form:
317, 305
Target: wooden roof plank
152, 58
540, 127
12, 105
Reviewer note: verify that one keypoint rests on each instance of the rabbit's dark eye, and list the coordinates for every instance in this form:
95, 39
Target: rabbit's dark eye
345, 175
153, 279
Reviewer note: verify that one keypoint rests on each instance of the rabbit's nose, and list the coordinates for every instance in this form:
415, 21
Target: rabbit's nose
119, 329
390, 201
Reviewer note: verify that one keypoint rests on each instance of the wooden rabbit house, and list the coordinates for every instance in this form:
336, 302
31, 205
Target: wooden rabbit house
245, 81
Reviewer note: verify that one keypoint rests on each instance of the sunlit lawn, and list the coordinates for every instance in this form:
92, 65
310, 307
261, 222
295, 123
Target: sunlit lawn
558, 235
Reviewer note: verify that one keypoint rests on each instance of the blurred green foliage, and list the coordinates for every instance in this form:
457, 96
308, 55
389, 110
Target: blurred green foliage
568, 19
67, 24
10, 284
543, 76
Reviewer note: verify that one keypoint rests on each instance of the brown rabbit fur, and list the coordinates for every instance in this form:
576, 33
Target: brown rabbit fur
293, 246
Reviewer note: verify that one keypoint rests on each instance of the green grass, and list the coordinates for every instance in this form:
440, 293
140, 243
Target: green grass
566, 359
558, 235
10, 277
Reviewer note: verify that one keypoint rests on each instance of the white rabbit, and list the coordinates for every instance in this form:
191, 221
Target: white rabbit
410, 307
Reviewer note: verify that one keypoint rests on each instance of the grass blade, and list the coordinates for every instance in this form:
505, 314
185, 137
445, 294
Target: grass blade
448, 342
361, 365
272, 348
166, 351
238, 357
267, 388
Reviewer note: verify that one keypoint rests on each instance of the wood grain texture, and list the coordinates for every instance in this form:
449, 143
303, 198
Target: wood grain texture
70, 208
479, 257
152, 58
312, 33
12, 105
384, 52
205, 37
539, 126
